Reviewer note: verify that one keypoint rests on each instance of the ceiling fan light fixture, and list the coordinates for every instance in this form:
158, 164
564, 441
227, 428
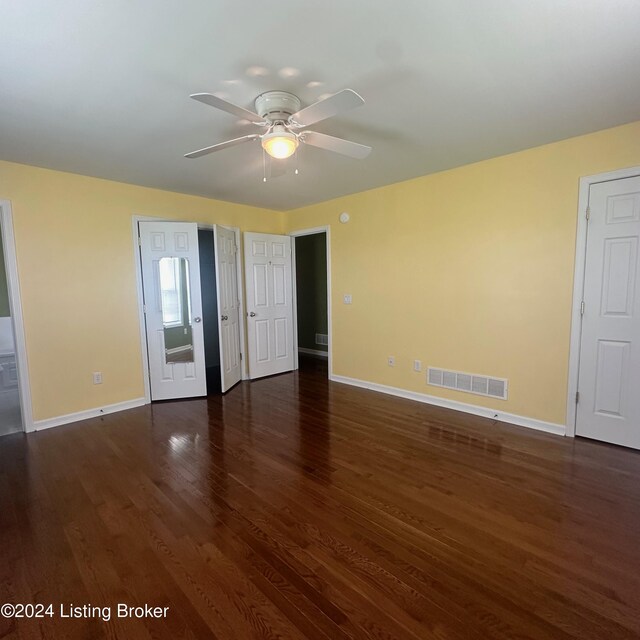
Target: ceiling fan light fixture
280, 143
285, 123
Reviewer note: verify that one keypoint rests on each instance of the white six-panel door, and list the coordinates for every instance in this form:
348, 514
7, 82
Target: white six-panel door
609, 377
179, 379
228, 307
269, 303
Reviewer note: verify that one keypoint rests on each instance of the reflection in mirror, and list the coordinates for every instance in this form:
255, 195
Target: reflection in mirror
175, 300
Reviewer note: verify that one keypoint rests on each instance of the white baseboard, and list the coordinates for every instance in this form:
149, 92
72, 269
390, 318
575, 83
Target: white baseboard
314, 352
494, 414
47, 423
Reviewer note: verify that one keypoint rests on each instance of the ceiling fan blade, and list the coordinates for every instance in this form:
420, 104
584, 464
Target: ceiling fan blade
220, 146
337, 103
338, 145
229, 107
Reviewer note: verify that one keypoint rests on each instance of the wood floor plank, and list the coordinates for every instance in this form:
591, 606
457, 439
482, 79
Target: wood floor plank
294, 508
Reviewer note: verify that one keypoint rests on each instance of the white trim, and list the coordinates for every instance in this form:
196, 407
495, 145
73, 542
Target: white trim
329, 311
15, 305
312, 231
326, 229
294, 302
313, 352
578, 285
521, 421
39, 425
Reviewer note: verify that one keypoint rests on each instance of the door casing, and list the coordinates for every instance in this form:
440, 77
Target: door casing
578, 286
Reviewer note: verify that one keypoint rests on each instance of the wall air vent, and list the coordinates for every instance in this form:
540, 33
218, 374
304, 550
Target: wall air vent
468, 382
322, 338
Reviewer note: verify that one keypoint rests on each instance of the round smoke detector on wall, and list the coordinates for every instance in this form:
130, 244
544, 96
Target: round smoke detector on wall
344, 217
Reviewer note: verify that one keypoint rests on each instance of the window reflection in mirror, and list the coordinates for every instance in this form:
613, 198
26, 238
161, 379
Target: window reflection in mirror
175, 299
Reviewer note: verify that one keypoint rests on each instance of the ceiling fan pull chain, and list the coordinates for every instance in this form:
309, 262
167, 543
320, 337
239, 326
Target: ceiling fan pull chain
264, 166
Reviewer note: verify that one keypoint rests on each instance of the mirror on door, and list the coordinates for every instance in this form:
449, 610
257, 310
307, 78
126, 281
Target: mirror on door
175, 301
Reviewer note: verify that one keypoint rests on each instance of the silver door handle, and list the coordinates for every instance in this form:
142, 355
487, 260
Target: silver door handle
197, 319
224, 317
252, 315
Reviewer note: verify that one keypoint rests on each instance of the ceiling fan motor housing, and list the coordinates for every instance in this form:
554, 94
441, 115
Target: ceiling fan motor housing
277, 105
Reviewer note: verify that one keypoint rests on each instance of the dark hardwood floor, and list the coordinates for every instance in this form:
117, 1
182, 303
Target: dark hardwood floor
298, 508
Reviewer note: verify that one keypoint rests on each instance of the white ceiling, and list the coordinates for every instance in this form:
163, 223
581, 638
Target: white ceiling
101, 87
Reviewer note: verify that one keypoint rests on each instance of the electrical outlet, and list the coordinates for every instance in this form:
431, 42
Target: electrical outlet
347, 298
97, 377
392, 361
417, 365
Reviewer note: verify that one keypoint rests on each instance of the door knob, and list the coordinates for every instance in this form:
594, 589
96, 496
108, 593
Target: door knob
252, 315
224, 317
197, 319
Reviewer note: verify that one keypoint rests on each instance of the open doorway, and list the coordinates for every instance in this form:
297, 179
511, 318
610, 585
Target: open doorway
10, 414
312, 298
15, 399
209, 292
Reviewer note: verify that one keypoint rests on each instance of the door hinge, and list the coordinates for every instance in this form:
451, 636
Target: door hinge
582, 308
139, 241
144, 308
240, 356
588, 213
577, 397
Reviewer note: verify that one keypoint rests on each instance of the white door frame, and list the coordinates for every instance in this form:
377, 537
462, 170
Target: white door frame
578, 285
310, 232
142, 325
15, 305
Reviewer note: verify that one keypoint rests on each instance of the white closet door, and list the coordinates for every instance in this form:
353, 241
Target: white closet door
173, 309
269, 303
228, 307
609, 378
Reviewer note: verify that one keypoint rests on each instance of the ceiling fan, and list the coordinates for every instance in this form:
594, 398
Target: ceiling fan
286, 124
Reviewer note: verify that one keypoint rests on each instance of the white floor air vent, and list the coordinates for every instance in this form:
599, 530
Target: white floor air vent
469, 382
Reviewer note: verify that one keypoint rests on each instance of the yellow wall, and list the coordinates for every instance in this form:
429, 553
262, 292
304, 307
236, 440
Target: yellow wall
77, 274
469, 269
